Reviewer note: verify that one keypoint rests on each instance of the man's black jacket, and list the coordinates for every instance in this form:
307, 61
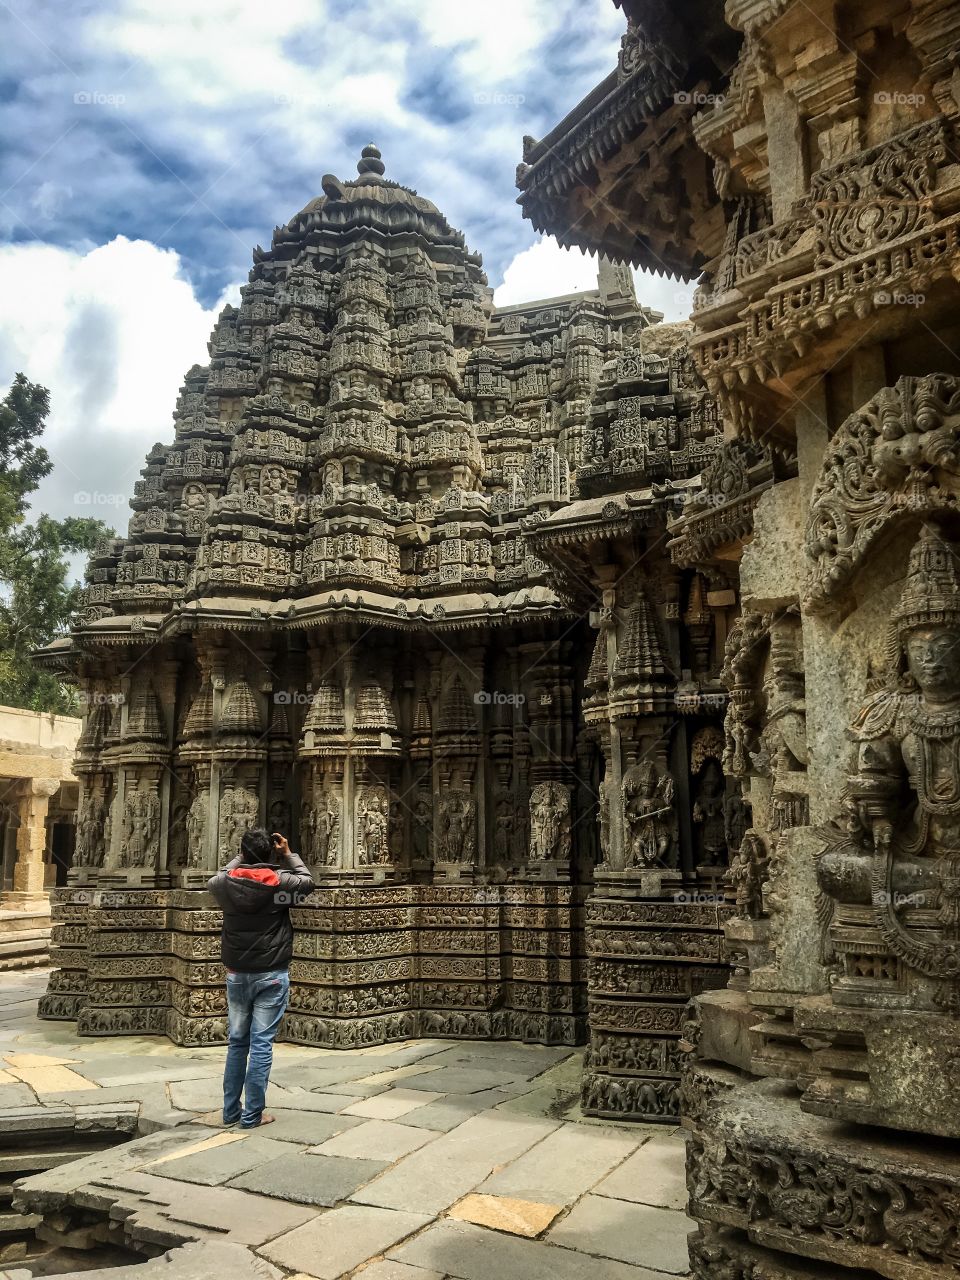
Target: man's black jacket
256, 899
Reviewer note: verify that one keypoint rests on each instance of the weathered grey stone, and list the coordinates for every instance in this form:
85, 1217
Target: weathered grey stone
474, 1253
310, 1179
213, 1167
634, 1233
653, 1175
434, 1177
563, 1166
376, 1140
336, 1242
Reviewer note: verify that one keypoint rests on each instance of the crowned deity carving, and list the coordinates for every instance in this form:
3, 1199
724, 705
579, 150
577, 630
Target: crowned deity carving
549, 822
457, 826
650, 820
326, 827
196, 829
373, 827
141, 828
896, 844
239, 807
91, 822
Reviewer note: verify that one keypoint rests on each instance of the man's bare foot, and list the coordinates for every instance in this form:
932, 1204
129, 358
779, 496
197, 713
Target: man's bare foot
264, 1119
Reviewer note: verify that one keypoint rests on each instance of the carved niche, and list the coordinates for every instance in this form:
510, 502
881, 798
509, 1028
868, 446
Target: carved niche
897, 455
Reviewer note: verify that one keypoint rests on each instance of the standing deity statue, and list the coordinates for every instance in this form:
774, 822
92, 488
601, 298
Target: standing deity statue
373, 821
196, 829
91, 822
897, 845
650, 821
327, 828
141, 820
549, 822
456, 834
749, 872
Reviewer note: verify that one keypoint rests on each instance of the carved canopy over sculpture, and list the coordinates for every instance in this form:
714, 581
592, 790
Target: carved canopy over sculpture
896, 456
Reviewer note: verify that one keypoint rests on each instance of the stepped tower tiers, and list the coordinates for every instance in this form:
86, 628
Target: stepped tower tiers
334, 615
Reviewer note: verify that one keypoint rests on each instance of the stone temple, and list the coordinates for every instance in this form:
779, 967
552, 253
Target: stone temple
400, 586
607, 671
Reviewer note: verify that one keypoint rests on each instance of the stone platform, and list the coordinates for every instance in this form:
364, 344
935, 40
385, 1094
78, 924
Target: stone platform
411, 1161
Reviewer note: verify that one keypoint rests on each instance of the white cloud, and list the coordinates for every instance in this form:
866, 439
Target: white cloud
110, 331
546, 270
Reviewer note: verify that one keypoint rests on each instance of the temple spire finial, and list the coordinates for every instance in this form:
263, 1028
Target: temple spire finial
370, 162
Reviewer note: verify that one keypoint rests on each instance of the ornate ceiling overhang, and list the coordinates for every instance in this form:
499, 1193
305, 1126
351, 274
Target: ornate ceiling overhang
605, 178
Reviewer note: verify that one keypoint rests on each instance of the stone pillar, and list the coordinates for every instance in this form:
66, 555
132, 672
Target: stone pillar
29, 872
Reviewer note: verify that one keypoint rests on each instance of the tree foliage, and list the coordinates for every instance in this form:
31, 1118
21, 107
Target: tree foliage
36, 595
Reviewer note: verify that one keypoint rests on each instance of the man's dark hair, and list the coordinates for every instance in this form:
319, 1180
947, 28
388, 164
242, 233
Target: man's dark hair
256, 846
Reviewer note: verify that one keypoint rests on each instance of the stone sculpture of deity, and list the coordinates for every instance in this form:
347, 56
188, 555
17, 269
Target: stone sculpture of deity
549, 822
897, 842
650, 821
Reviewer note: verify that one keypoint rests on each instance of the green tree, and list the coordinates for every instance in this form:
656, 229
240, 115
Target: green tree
36, 596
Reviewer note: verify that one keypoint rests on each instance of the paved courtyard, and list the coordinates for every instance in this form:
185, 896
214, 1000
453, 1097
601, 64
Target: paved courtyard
414, 1161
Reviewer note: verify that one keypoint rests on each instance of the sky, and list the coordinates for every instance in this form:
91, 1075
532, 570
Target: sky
148, 145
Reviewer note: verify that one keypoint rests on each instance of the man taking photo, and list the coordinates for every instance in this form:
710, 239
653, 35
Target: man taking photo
255, 892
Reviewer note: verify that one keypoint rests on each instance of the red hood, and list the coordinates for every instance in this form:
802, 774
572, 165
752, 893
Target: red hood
263, 875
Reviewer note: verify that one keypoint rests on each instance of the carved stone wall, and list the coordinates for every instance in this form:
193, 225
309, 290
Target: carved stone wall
820, 1090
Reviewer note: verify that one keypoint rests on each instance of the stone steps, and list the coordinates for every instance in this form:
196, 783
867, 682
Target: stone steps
24, 939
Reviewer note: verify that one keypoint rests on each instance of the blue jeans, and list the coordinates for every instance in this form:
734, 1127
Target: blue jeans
256, 1003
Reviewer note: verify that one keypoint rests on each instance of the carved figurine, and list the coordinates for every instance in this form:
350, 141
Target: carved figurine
649, 818
196, 829
897, 844
373, 819
748, 874
549, 822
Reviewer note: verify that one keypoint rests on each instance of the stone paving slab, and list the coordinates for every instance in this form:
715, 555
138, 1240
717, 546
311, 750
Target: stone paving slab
57, 1183
635, 1233
336, 1242
387, 1270
210, 1168
308, 1128
432, 1178
475, 1253
448, 1112
462, 1080
310, 1179
16, 1095
150, 1204
392, 1103
561, 1168
376, 1140
654, 1176
505, 1213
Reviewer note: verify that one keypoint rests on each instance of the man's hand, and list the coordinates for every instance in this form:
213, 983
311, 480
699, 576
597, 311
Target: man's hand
280, 844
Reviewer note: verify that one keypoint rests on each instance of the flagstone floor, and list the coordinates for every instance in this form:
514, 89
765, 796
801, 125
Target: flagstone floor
414, 1161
